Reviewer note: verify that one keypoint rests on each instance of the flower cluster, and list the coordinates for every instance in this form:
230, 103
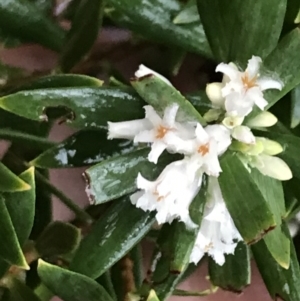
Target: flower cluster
171, 194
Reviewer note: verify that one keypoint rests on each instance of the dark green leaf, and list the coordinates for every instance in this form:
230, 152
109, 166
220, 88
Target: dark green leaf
136, 257
188, 14
10, 182
86, 107
276, 241
153, 19
236, 29
57, 239
18, 291
71, 286
78, 150
116, 177
250, 211
10, 249
21, 207
60, 81
31, 24
279, 281
284, 62
295, 114
46, 6
83, 33
160, 95
235, 273
105, 280
111, 238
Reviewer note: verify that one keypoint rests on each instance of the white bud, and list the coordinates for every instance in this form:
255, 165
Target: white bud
214, 93
264, 119
271, 147
273, 167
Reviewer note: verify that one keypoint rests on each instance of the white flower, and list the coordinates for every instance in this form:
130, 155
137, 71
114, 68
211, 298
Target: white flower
208, 144
165, 133
244, 89
127, 129
217, 235
144, 71
170, 195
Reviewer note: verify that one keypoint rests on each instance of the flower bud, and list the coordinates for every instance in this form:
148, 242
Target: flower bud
271, 147
214, 93
212, 115
264, 119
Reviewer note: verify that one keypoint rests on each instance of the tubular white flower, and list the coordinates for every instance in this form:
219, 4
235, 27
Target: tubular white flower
205, 148
170, 195
127, 129
165, 133
217, 235
245, 89
144, 71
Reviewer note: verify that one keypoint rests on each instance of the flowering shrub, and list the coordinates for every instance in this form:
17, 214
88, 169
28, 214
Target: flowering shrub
210, 175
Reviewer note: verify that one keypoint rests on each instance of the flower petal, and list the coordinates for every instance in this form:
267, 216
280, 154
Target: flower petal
170, 115
253, 66
152, 116
243, 133
266, 83
127, 129
228, 70
236, 104
145, 137
157, 149
144, 71
221, 135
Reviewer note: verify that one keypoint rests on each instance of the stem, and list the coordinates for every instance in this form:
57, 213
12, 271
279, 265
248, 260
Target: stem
80, 213
183, 293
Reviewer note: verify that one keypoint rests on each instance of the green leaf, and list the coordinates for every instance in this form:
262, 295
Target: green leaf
87, 19
32, 25
116, 176
280, 282
295, 113
86, 107
160, 95
10, 182
10, 249
71, 286
153, 20
236, 30
18, 291
46, 6
284, 62
252, 216
78, 150
235, 273
58, 238
21, 207
188, 14
60, 81
111, 238
276, 241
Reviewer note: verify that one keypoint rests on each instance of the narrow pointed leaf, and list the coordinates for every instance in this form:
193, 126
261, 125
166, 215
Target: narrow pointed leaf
116, 176
235, 273
236, 30
10, 182
284, 63
71, 286
153, 20
61, 81
85, 107
78, 150
10, 250
295, 114
87, 19
253, 216
160, 95
57, 239
276, 241
21, 207
111, 238
32, 25
280, 282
